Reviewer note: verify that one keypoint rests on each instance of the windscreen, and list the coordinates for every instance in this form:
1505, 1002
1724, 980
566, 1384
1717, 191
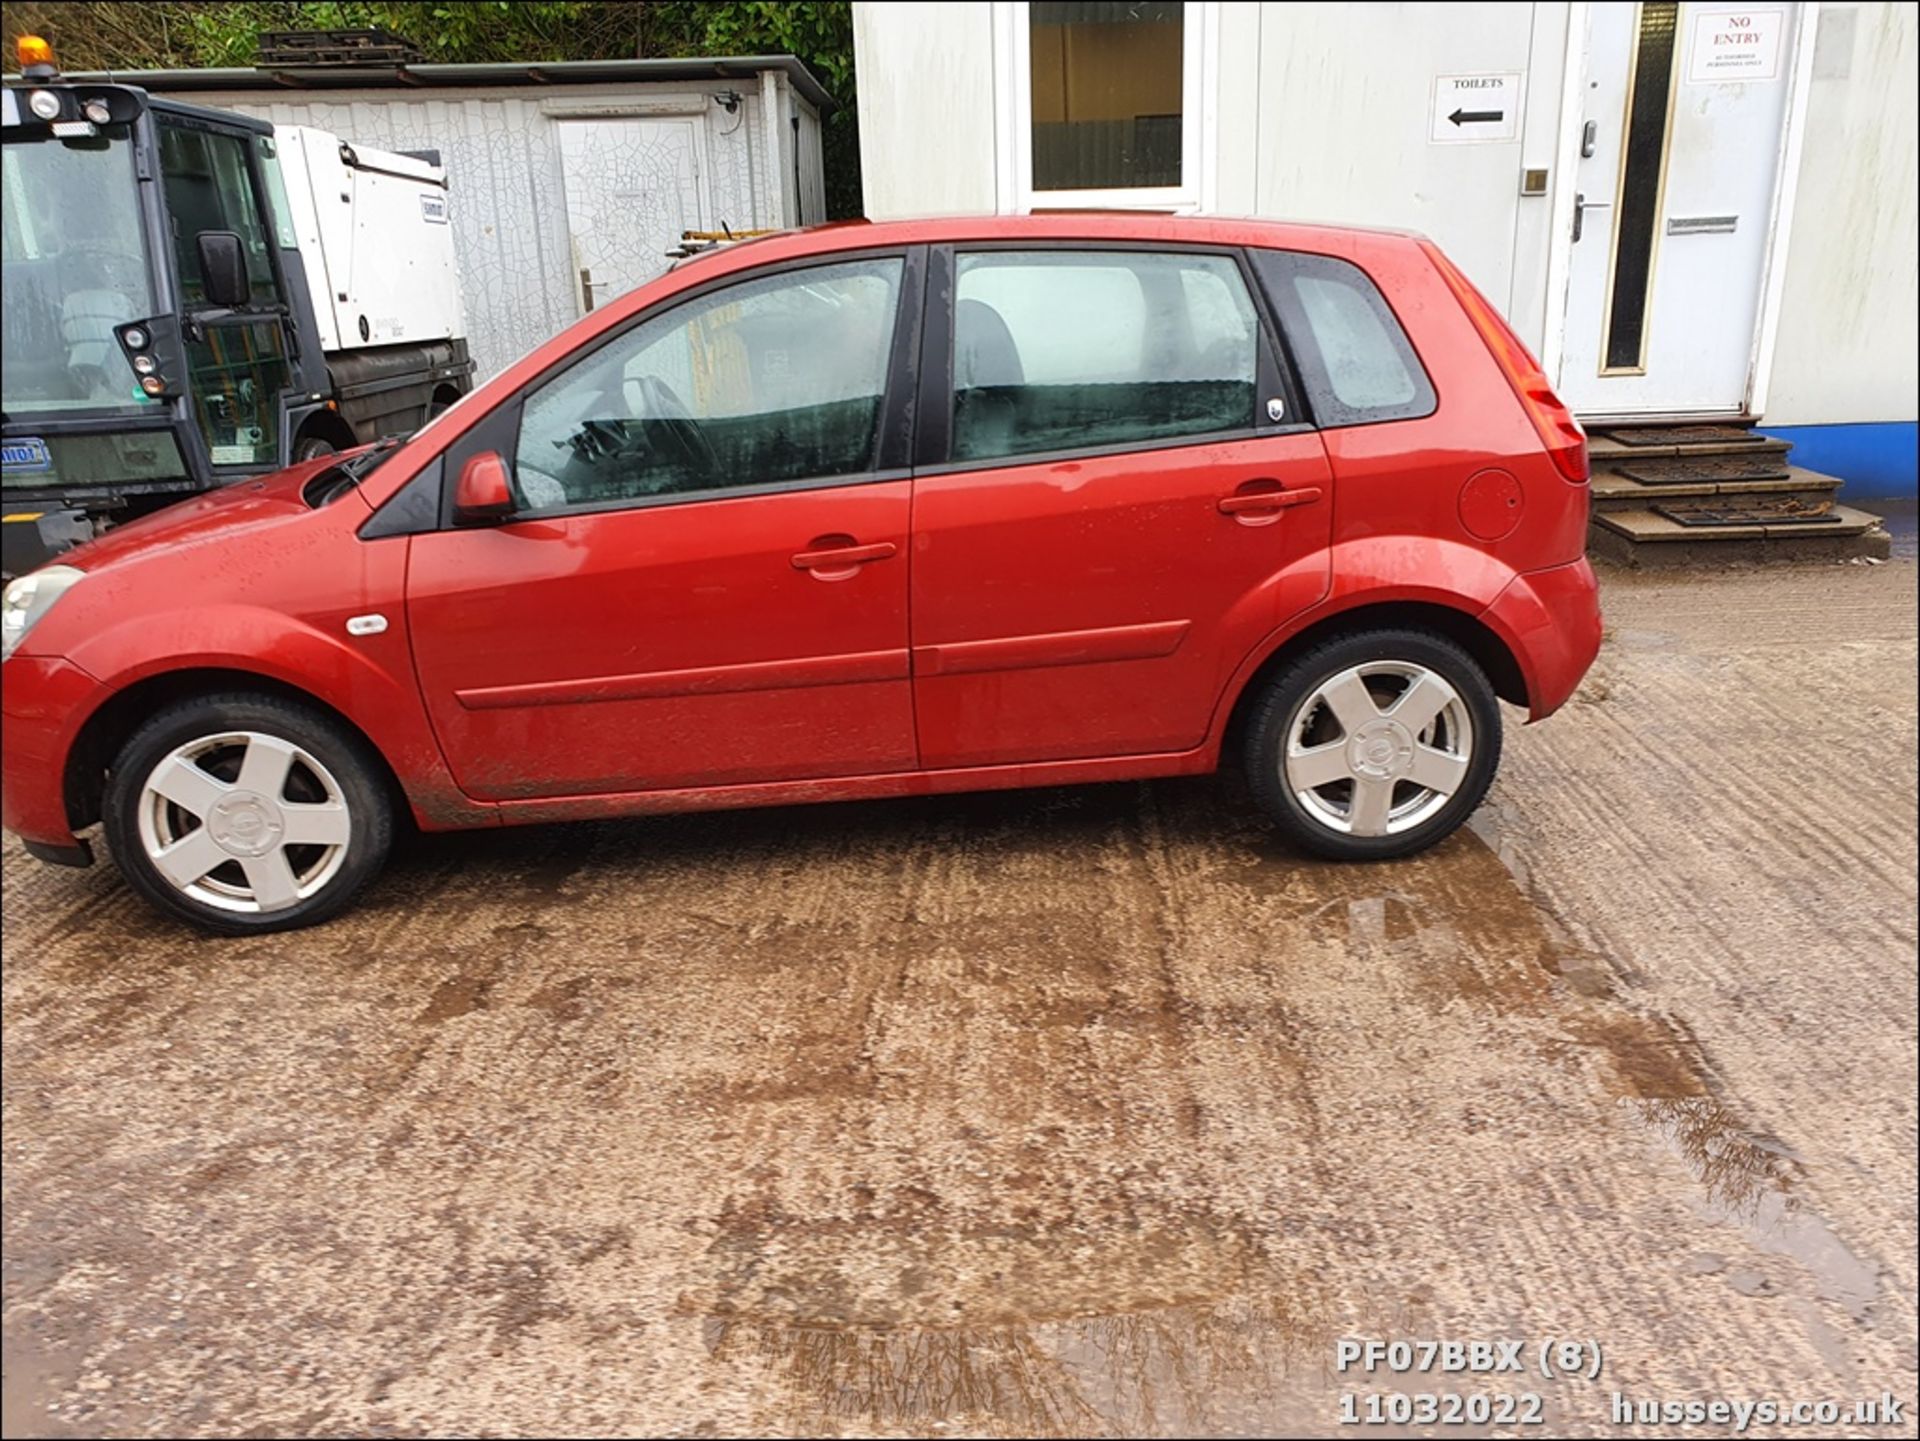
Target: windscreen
75, 268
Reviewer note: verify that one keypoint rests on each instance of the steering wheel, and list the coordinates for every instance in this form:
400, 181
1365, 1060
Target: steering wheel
671, 413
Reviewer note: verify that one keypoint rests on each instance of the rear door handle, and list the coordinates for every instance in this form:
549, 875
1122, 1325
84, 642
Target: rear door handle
835, 557
1257, 502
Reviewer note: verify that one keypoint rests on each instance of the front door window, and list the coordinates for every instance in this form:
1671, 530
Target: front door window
764, 383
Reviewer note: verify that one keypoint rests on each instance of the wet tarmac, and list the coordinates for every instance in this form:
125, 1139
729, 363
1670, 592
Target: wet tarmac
1076, 1112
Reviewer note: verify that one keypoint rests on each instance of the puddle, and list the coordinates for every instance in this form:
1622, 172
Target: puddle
1241, 1366
913, 1314
1751, 1182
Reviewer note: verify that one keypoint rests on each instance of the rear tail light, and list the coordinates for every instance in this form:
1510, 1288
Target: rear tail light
1565, 441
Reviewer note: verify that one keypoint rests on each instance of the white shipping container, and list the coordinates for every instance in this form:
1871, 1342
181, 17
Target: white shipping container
376, 239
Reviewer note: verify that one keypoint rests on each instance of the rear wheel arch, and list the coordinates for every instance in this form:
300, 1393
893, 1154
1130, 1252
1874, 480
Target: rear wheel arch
103, 733
1469, 632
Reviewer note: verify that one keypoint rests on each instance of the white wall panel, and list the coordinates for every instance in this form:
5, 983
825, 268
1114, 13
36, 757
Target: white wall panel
926, 80
1849, 334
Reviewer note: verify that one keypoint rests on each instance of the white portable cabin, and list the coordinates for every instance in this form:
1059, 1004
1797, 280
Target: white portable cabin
1755, 260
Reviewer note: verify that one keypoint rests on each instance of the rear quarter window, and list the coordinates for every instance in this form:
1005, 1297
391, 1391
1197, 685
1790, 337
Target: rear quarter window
1355, 361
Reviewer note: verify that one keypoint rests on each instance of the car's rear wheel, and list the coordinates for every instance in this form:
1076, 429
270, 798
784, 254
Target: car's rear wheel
1374, 744
246, 813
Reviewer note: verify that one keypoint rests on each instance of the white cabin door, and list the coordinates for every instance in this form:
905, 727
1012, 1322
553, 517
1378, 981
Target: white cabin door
633, 185
1679, 157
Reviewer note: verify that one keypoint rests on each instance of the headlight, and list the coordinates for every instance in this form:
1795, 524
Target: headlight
44, 103
30, 597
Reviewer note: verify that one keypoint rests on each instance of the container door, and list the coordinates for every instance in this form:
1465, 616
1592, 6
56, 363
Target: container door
1679, 159
633, 186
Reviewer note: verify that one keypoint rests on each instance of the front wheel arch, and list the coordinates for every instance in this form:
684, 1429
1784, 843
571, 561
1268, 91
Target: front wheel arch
108, 729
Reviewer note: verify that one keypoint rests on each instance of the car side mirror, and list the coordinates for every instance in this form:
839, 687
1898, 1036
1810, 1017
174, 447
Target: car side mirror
223, 269
483, 495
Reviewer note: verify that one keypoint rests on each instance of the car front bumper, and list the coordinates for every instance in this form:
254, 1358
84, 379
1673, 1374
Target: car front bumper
42, 702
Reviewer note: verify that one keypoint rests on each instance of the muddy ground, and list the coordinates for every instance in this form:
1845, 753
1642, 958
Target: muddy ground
1076, 1112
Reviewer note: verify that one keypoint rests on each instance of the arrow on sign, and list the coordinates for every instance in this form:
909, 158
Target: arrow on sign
1473, 117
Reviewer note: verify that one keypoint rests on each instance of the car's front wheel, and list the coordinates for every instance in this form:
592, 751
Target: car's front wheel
1374, 744
247, 813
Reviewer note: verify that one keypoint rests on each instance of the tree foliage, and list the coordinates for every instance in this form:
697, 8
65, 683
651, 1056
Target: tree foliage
162, 34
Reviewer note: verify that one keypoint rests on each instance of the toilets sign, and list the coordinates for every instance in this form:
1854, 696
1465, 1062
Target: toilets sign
1467, 108
1735, 45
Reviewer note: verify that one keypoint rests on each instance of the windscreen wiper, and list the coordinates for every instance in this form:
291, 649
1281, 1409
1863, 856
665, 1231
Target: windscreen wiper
359, 464
336, 479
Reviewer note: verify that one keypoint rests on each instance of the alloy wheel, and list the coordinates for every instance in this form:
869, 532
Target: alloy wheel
244, 821
1378, 748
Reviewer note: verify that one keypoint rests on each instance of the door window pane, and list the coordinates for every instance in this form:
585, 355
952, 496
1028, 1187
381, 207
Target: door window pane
209, 187
771, 380
237, 373
1107, 101
1059, 350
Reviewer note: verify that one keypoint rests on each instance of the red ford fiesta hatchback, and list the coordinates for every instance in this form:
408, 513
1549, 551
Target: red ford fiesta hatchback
871, 510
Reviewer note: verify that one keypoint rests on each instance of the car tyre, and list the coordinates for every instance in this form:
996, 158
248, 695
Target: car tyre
1374, 744
246, 814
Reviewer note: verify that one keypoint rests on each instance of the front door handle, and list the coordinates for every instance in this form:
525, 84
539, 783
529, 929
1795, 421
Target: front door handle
835, 557
1263, 507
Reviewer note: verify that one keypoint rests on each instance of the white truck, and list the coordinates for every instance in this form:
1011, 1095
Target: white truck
276, 295
374, 240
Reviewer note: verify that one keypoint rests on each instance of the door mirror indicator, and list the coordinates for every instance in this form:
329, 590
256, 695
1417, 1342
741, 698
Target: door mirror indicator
483, 495
223, 269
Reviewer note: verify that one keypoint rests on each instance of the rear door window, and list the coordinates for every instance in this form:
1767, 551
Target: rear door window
1068, 350
1356, 362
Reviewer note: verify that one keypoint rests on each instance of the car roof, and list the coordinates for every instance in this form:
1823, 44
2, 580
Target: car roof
1147, 228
